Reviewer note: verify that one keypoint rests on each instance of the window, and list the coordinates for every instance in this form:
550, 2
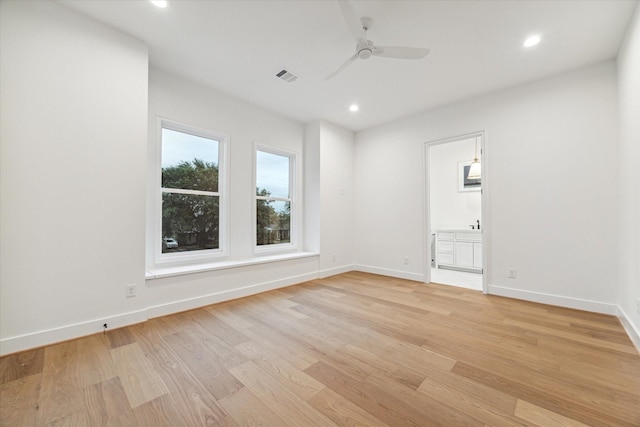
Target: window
275, 216
190, 220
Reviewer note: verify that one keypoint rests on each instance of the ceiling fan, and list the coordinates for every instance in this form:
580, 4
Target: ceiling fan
365, 47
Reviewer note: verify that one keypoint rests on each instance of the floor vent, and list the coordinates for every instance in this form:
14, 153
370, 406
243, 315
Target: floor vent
287, 76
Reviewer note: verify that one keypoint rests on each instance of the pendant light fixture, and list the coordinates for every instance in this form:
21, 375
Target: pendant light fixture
475, 171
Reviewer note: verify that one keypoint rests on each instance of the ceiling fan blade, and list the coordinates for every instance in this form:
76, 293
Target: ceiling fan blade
344, 65
399, 52
351, 19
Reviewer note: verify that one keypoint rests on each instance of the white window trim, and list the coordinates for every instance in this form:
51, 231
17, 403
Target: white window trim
294, 199
159, 258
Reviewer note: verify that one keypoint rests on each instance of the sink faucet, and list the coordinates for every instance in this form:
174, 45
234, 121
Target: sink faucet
478, 221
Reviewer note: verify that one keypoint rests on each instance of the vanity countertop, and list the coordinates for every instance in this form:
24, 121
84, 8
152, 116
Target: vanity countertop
467, 230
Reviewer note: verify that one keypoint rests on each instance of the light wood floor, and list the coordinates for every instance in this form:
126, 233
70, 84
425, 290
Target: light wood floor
354, 349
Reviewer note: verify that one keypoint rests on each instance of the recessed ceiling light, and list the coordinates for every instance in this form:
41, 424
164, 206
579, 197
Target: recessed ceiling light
353, 108
159, 3
532, 41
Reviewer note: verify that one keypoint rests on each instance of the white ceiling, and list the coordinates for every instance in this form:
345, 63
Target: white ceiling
476, 47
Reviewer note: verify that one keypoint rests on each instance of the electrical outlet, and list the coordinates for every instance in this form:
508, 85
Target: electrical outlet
512, 273
333, 257
406, 260
131, 290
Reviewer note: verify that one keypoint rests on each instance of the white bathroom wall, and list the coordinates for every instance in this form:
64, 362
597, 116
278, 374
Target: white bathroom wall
551, 161
450, 207
73, 134
629, 212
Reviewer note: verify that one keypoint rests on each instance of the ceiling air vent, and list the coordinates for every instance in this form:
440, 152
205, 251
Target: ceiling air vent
287, 76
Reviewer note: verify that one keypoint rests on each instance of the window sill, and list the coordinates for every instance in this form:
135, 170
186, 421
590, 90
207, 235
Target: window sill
160, 273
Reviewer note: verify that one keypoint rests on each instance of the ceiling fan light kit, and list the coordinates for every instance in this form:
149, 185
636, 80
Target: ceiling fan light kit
365, 47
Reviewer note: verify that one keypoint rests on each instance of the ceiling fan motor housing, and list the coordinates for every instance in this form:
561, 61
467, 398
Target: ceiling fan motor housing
364, 49
364, 53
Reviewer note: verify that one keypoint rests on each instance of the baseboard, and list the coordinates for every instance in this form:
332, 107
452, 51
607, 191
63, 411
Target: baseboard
204, 300
334, 271
391, 273
629, 327
577, 303
69, 332
41, 338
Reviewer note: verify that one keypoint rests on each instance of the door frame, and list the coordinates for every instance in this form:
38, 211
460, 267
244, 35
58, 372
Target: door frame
484, 198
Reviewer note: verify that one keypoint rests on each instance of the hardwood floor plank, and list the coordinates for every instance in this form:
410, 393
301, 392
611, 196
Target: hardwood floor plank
139, 379
289, 350
227, 314
220, 350
491, 406
285, 373
418, 358
543, 417
292, 409
204, 364
95, 364
397, 371
107, 404
351, 349
282, 305
343, 412
624, 348
76, 419
381, 323
61, 393
119, 337
249, 411
216, 327
569, 404
443, 414
19, 365
408, 303
19, 401
378, 401
159, 412
198, 404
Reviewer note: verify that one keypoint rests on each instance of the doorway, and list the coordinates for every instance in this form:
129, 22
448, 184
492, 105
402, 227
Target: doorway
456, 233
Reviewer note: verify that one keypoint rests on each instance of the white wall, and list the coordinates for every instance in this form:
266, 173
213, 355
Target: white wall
451, 208
629, 212
77, 119
337, 149
73, 116
389, 201
312, 187
551, 163
178, 99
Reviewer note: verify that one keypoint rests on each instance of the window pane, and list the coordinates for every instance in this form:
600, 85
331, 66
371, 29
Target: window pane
272, 175
273, 222
189, 162
189, 222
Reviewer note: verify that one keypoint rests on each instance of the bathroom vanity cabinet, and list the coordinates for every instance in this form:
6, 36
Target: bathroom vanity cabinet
460, 249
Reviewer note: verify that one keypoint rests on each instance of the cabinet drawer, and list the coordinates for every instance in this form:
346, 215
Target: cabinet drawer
468, 237
445, 236
444, 246
445, 258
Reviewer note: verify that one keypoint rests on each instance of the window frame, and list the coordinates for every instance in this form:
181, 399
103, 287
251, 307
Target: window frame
293, 200
222, 193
